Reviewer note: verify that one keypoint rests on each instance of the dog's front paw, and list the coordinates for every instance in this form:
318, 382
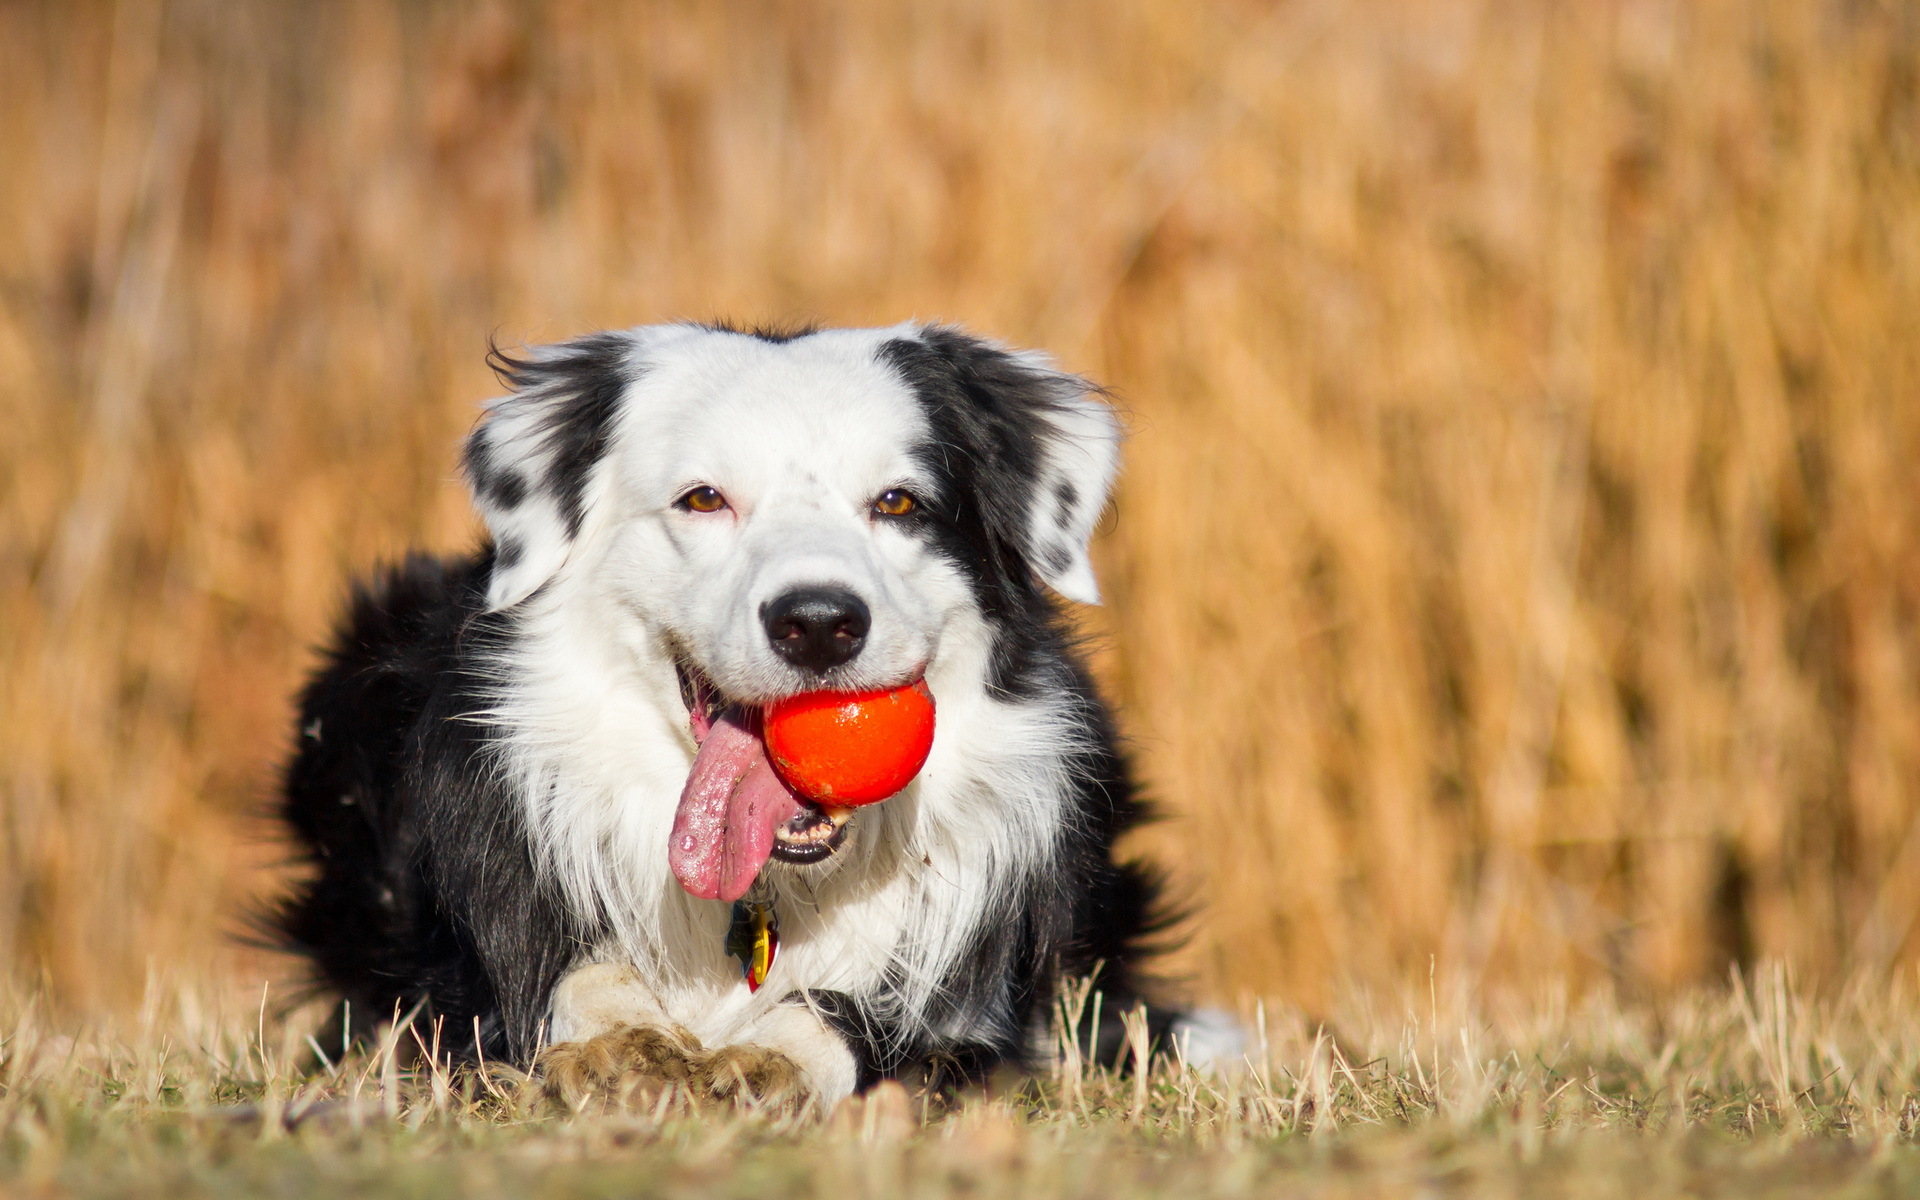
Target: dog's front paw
749, 1073
634, 1063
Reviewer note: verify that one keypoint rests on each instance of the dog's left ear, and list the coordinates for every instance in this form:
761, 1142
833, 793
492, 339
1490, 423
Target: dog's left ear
1036, 448
534, 464
1078, 438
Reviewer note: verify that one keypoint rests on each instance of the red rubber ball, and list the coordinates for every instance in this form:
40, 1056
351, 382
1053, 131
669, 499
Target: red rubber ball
851, 748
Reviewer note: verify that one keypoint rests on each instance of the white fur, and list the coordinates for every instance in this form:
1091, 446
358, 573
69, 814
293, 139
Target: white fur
800, 438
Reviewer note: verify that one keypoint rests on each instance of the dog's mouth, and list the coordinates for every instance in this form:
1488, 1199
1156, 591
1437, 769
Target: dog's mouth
812, 834
736, 812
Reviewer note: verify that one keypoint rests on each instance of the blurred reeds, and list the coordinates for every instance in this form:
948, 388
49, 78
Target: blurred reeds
1516, 566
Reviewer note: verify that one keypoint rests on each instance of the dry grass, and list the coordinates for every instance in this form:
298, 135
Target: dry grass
1758, 1092
1517, 560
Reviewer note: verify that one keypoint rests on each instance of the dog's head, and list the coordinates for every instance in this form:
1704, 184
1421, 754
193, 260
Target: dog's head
780, 514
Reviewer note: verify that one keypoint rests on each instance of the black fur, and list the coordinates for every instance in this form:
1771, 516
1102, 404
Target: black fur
424, 889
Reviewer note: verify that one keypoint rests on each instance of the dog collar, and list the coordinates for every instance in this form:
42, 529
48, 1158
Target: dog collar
753, 937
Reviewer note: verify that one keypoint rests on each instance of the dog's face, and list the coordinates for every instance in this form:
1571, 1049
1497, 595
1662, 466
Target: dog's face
781, 515
793, 514
773, 525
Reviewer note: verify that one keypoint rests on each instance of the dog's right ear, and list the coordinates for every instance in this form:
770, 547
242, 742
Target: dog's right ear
534, 464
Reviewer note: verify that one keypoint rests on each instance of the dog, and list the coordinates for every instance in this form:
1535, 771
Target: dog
495, 761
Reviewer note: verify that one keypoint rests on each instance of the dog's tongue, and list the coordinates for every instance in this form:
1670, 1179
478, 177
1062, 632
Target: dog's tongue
723, 830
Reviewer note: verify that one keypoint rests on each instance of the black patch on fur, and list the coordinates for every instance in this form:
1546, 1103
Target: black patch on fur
509, 489
1064, 497
503, 486
584, 380
423, 887
507, 554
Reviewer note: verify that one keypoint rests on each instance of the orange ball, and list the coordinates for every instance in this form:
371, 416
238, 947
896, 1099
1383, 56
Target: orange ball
851, 748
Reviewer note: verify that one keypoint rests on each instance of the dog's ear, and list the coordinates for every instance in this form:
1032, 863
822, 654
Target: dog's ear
1079, 454
533, 464
1039, 446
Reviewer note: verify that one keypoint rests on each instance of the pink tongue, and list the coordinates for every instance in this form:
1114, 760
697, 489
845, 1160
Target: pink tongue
723, 830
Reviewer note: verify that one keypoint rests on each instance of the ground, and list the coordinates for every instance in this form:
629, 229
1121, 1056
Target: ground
1753, 1090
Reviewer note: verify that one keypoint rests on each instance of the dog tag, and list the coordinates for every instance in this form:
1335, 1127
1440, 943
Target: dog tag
753, 937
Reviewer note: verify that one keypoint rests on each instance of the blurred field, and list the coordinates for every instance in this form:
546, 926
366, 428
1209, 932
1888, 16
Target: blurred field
1516, 566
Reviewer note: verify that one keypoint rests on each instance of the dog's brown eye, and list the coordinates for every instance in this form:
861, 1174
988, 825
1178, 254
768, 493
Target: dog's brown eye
894, 502
703, 500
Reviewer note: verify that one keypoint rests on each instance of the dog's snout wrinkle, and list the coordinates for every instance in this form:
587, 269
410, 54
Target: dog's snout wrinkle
817, 628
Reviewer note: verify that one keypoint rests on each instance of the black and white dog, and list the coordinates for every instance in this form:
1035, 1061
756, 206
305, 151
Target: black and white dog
691, 521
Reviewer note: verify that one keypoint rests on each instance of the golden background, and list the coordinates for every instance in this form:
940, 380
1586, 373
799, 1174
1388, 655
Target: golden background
1514, 572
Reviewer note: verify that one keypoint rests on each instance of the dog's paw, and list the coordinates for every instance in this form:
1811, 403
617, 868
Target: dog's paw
749, 1074
632, 1065
625, 1066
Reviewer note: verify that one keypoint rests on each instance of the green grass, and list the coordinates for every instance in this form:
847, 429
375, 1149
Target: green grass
1756, 1091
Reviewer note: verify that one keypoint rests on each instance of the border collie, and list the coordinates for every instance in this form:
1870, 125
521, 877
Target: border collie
690, 522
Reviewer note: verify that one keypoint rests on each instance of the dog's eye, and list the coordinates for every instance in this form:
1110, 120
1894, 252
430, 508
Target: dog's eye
894, 502
703, 500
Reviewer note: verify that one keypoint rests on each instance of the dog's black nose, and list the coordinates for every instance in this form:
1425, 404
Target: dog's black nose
817, 627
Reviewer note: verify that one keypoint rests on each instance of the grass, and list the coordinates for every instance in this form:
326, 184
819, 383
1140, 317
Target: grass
1756, 1090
